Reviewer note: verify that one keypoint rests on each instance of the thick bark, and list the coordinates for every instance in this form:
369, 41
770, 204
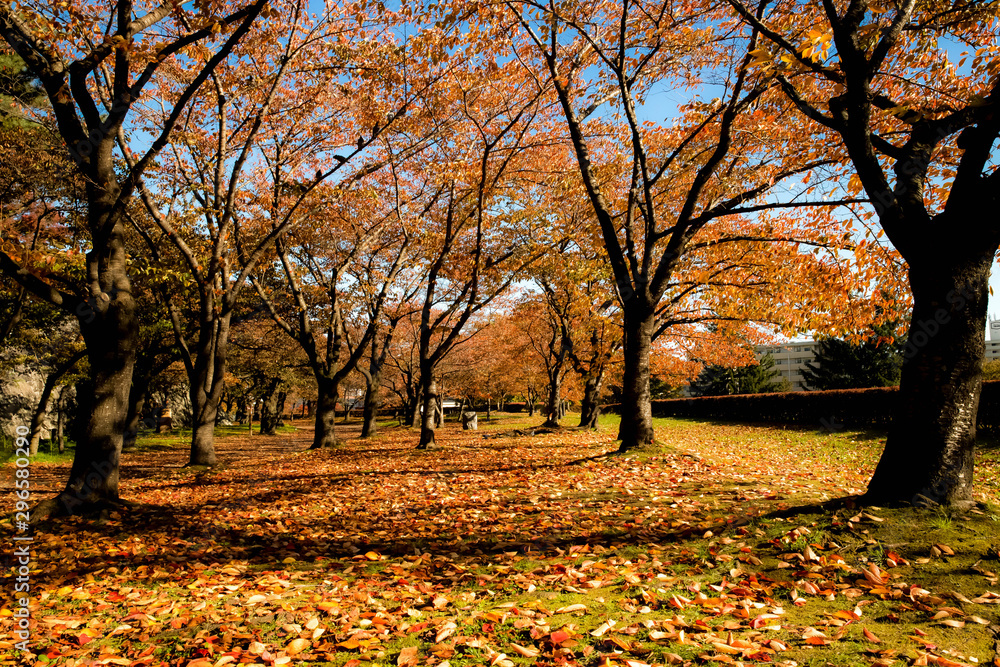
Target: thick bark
429, 403
590, 408
110, 332
204, 393
325, 434
930, 448
636, 428
241, 409
553, 407
282, 399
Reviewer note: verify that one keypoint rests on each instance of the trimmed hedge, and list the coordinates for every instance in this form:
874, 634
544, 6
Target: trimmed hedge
519, 407
855, 408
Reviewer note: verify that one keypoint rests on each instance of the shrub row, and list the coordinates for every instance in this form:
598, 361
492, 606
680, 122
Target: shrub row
518, 407
855, 408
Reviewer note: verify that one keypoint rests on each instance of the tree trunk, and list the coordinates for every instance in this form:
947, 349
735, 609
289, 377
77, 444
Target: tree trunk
930, 448
590, 408
241, 409
60, 420
373, 379
207, 383
412, 408
204, 411
137, 398
282, 398
636, 428
326, 413
269, 409
489, 409
553, 408
111, 336
429, 403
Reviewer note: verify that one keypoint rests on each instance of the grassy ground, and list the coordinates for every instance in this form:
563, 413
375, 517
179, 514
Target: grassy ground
729, 545
147, 440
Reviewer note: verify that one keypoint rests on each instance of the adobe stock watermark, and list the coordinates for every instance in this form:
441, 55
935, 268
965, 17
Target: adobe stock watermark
922, 331
22, 541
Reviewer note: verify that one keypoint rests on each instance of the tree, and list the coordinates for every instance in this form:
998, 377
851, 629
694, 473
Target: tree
92, 86
655, 189
881, 87
347, 264
545, 323
759, 378
270, 130
476, 243
844, 364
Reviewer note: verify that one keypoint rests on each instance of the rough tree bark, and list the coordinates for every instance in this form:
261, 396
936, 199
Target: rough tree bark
429, 405
590, 407
325, 434
930, 448
636, 428
61, 420
553, 405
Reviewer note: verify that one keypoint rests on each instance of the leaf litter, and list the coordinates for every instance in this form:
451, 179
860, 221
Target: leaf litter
720, 549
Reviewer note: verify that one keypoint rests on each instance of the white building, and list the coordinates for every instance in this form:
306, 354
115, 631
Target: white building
790, 359
993, 340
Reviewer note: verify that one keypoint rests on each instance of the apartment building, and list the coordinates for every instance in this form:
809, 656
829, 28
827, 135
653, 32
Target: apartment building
791, 358
993, 340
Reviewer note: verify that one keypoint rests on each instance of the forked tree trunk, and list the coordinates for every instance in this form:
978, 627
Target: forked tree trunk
111, 338
325, 434
429, 403
370, 415
930, 448
590, 408
439, 411
282, 399
636, 428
